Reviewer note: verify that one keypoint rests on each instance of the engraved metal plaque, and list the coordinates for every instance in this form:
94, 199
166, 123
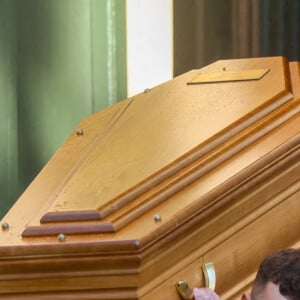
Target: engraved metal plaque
223, 76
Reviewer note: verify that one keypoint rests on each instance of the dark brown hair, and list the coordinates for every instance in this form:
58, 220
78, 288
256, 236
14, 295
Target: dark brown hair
283, 269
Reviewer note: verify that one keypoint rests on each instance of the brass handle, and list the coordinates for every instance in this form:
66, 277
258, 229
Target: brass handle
209, 275
210, 281
184, 290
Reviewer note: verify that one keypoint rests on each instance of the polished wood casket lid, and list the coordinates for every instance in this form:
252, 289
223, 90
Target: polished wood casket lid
144, 191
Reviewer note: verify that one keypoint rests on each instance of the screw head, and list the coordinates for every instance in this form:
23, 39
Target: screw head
61, 237
157, 218
5, 226
79, 132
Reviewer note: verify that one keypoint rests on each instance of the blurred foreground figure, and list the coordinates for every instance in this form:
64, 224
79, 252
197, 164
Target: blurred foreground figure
205, 294
278, 278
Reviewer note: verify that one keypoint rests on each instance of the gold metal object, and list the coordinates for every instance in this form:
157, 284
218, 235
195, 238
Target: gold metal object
61, 237
210, 281
209, 275
157, 218
184, 290
79, 132
223, 76
5, 226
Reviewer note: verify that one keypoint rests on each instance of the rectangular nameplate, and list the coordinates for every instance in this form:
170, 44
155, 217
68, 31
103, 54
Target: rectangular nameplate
224, 76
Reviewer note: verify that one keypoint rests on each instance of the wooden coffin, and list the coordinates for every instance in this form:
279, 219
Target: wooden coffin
203, 168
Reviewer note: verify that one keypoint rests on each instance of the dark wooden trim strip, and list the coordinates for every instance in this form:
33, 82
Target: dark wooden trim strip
71, 216
50, 230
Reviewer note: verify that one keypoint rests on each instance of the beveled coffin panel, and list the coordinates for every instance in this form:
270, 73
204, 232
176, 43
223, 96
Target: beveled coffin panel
202, 168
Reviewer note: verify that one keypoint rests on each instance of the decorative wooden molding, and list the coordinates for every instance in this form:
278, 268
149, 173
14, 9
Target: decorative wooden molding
127, 218
69, 216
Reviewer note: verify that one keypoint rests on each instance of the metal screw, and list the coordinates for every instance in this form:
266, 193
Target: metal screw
147, 90
61, 237
79, 132
157, 218
224, 69
5, 226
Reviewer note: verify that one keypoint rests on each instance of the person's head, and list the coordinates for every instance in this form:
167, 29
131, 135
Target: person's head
278, 277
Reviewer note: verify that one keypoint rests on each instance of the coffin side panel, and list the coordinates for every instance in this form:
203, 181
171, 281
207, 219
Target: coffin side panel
143, 193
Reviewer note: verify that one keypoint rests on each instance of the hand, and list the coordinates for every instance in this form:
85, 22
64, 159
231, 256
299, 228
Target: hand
205, 294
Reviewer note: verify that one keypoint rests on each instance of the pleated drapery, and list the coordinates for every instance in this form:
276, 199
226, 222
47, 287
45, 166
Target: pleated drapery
209, 30
60, 61
266, 28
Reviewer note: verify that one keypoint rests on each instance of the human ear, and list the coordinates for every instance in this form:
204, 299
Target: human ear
246, 296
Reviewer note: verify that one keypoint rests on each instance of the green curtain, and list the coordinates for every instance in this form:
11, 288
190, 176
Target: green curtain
60, 61
8, 105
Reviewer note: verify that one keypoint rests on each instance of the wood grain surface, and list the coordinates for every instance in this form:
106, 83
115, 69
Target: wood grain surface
149, 189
